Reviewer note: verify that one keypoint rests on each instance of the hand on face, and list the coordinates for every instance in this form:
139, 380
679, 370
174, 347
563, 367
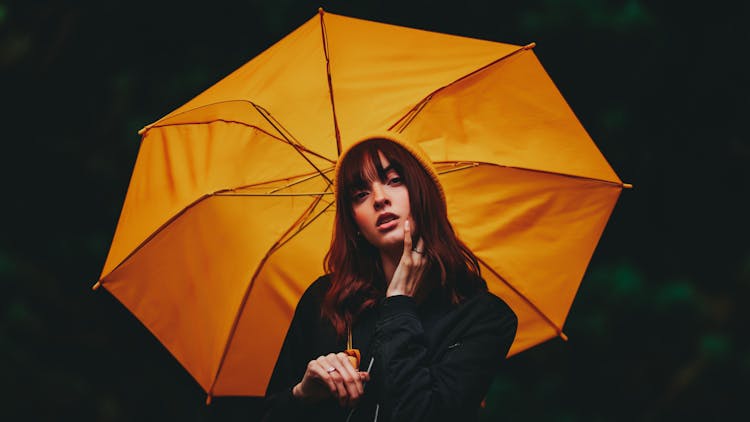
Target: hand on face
334, 376
410, 268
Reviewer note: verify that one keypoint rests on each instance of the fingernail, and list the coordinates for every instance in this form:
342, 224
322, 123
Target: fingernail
406, 224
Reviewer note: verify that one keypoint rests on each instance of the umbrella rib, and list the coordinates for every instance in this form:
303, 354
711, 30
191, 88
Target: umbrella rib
303, 226
283, 131
411, 114
315, 194
552, 173
246, 296
276, 194
307, 176
164, 226
156, 232
324, 34
465, 165
222, 192
296, 145
407, 118
304, 179
528, 301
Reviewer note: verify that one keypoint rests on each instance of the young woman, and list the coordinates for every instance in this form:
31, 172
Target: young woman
404, 291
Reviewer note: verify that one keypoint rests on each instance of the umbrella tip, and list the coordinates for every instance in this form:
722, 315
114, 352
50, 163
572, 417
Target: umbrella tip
320, 10
529, 46
208, 399
563, 336
627, 186
96, 286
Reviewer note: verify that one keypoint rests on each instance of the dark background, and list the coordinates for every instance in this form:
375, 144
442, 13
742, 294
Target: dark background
658, 330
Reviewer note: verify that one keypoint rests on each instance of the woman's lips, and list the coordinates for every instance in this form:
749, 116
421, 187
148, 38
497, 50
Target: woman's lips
386, 222
388, 226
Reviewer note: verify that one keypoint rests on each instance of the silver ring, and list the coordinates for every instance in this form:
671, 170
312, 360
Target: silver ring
417, 251
331, 369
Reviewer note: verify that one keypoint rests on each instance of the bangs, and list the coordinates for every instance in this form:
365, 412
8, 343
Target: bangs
363, 166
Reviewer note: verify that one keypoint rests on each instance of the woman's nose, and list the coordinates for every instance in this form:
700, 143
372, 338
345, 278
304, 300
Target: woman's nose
380, 198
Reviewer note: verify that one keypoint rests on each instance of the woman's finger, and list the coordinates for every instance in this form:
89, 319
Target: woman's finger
420, 245
332, 373
320, 373
419, 251
344, 377
348, 377
407, 241
353, 377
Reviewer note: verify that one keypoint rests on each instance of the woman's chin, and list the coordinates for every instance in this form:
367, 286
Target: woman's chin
391, 244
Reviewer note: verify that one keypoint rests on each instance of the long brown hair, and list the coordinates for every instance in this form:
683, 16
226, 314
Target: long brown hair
357, 278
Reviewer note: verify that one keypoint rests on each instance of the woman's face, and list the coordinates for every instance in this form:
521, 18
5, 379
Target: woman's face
381, 209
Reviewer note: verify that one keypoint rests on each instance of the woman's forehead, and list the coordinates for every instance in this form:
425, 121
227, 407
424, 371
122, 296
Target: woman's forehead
385, 164
373, 166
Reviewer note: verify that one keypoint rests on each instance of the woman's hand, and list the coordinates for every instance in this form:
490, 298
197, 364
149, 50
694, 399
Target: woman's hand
410, 269
334, 376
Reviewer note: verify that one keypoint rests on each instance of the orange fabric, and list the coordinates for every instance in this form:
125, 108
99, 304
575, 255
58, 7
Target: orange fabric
229, 210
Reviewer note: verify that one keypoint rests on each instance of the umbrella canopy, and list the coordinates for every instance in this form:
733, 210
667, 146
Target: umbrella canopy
229, 210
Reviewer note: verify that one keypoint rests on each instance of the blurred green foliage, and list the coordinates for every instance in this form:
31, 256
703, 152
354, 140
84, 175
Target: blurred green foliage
657, 331
618, 16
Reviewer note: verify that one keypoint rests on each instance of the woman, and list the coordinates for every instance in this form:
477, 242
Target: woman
404, 291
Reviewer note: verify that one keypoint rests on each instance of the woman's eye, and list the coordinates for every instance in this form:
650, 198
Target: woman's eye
360, 195
396, 180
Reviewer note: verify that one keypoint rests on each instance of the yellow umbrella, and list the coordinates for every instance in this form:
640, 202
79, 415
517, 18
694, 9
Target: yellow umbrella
229, 210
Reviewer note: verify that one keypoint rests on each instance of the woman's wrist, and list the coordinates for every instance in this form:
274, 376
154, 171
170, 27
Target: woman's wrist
297, 391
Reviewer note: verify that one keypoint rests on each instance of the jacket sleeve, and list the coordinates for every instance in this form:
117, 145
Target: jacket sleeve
418, 389
290, 366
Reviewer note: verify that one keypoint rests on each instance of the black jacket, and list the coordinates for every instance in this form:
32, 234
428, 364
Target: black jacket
432, 362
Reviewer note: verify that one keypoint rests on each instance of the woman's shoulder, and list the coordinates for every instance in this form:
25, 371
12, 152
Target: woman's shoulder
316, 291
495, 303
487, 303
320, 285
